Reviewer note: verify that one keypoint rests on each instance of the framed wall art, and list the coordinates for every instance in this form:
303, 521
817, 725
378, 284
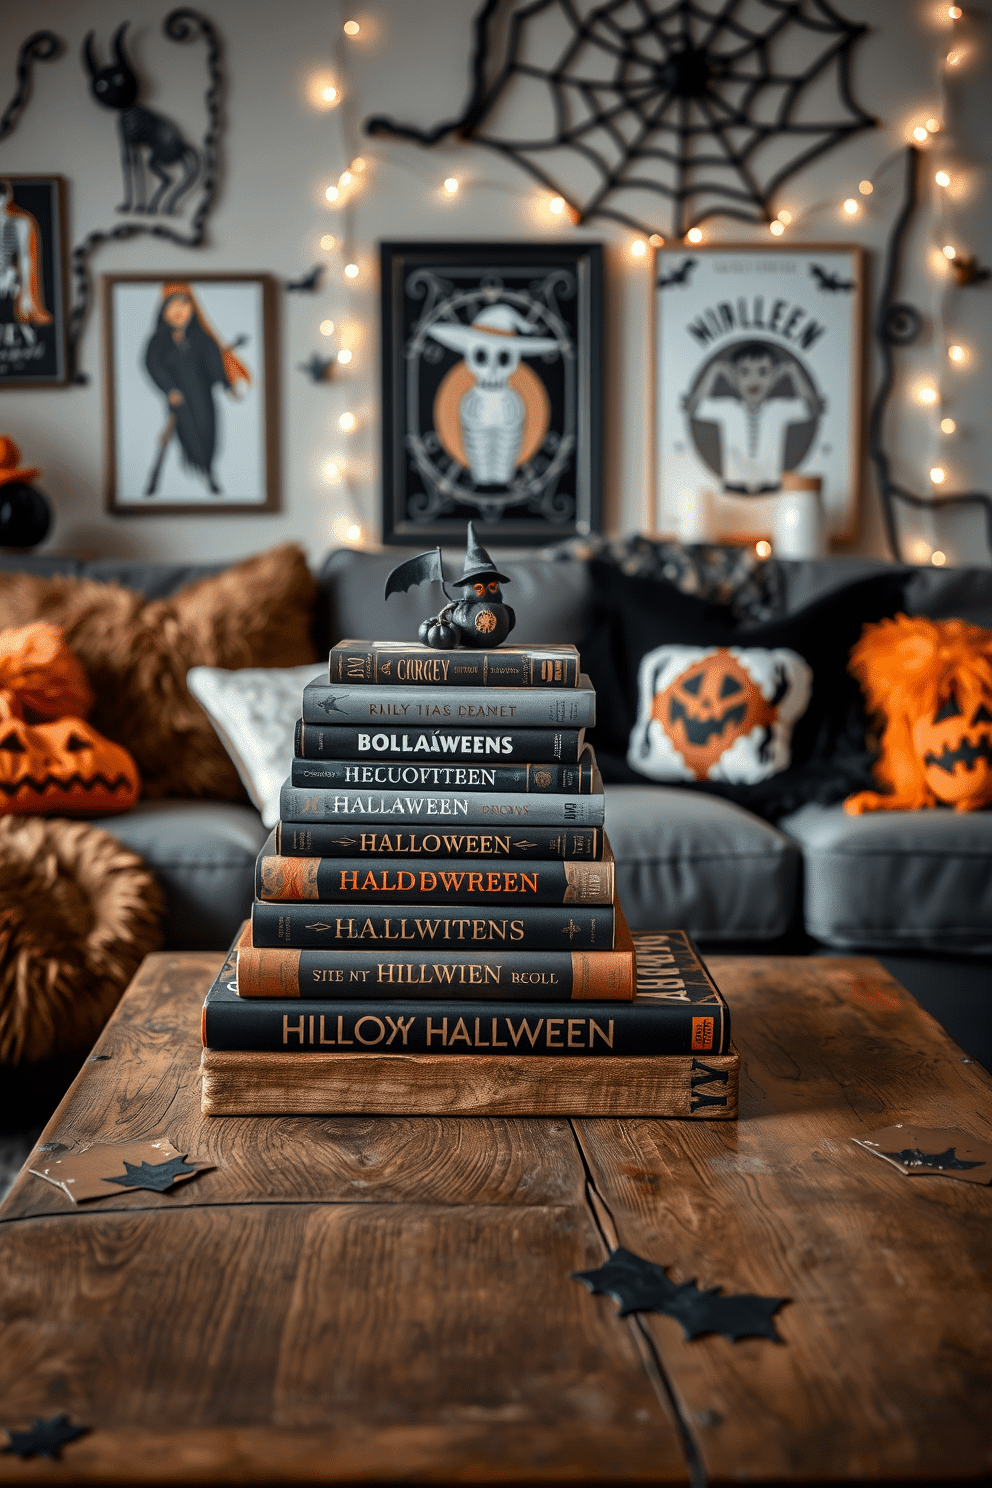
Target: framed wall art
758, 372
491, 391
32, 282
192, 395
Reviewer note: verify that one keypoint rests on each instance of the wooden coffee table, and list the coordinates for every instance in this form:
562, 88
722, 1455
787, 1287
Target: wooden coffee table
379, 1298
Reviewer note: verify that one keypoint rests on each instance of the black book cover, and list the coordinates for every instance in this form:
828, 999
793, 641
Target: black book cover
409, 927
514, 843
478, 746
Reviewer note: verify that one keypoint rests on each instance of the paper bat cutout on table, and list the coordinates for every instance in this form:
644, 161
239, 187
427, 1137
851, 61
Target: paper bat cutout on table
46, 1437
912, 1157
103, 1169
159, 1177
641, 1286
921, 1151
480, 618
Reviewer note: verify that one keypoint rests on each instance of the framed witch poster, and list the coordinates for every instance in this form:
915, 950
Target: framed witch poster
758, 373
192, 415
32, 282
491, 359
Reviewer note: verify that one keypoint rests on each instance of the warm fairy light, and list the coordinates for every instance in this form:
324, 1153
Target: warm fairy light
351, 271
920, 133
332, 193
947, 426
351, 28
763, 548
937, 558
785, 217
638, 248
345, 178
358, 164
347, 422
556, 205
656, 240
323, 91
953, 58
926, 394
866, 188
353, 532
919, 550
332, 470
329, 93
344, 356
957, 353
776, 229
328, 241
942, 178
451, 185
694, 235
327, 328
933, 125
938, 475
954, 12
949, 250
851, 207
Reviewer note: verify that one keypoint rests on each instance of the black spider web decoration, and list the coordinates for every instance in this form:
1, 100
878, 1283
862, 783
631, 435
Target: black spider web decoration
672, 100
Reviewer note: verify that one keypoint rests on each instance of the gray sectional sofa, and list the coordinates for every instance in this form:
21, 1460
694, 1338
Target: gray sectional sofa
899, 882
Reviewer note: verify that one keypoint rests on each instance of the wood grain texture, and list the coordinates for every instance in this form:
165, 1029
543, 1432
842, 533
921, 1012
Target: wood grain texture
262, 1084
887, 1365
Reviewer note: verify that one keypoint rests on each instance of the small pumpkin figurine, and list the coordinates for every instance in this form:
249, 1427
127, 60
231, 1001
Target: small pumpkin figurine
929, 685
52, 762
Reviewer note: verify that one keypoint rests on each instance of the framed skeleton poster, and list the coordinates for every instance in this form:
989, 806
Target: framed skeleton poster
759, 354
32, 282
191, 393
491, 363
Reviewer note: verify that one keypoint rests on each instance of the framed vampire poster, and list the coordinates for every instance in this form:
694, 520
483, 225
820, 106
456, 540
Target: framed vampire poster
759, 356
491, 391
32, 282
192, 397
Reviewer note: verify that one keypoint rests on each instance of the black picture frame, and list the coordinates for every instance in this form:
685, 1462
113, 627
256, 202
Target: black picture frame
33, 293
434, 480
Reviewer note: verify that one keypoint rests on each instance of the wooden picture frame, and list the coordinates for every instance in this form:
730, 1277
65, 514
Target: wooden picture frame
34, 279
211, 444
515, 444
790, 319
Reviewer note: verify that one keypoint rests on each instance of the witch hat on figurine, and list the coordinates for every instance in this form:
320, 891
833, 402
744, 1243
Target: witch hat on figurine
481, 617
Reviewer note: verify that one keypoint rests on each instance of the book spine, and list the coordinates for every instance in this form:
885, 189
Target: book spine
511, 976
473, 881
405, 926
356, 663
536, 745
413, 707
516, 779
455, 1027
327, 840
473, 808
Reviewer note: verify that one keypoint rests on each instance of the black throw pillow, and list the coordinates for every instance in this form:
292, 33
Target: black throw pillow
819, 753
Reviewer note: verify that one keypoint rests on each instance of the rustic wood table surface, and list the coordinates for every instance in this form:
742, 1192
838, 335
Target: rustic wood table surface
380, 1298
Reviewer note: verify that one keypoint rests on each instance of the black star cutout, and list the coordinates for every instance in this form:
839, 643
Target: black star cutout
45, 1439
912, 1157
156, 1176
641, 1286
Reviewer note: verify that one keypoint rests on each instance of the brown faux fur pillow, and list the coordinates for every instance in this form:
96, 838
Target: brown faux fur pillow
137, 652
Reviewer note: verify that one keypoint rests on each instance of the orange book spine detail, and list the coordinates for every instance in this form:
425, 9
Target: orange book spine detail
268, 973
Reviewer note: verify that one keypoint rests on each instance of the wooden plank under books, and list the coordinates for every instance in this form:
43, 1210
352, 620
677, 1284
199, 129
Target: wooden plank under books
252, 1084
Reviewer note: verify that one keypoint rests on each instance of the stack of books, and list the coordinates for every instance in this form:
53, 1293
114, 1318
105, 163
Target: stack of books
436, 927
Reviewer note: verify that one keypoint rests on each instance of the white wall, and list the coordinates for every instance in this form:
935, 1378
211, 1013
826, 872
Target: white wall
410, 60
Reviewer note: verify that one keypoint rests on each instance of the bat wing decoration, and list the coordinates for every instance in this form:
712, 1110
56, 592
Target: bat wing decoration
425, 568
641, 1286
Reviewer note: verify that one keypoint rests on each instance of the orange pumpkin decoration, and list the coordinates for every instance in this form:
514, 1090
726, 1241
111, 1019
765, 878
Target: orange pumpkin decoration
708, 707
929, 684
61, 766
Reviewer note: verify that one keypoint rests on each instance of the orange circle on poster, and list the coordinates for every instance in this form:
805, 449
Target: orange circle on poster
456, 383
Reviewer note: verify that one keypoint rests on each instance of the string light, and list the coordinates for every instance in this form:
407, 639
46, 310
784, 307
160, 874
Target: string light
785, 217
656, 240
328, 241
327, 328
927, 394
638, 248
345, 178
953, 58
938, 475
332, 193
358, 164
949, 251
556, 205
957, 353
866, 188
942, 178
776, 229
351, 28
332, 470
344, 356
933, 125
694, 235
954, 12
451, 185
851, 207
947, 426
937, 558
347, 422
351, 271
920, 133
763, 548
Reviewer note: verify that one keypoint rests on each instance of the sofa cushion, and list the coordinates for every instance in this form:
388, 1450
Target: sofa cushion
693, 862
203, 856
136, 654
897, 880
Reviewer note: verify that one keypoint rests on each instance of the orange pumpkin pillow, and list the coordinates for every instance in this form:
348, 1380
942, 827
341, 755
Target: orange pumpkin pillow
52, 763
929, 685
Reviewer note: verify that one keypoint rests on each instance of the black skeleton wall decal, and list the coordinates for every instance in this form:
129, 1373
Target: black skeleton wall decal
116, 86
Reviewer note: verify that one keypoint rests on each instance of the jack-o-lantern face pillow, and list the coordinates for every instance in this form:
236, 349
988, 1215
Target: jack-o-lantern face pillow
717, 713
52, 765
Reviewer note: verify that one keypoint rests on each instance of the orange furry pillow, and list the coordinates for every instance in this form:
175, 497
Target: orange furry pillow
929, 685
137, 652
